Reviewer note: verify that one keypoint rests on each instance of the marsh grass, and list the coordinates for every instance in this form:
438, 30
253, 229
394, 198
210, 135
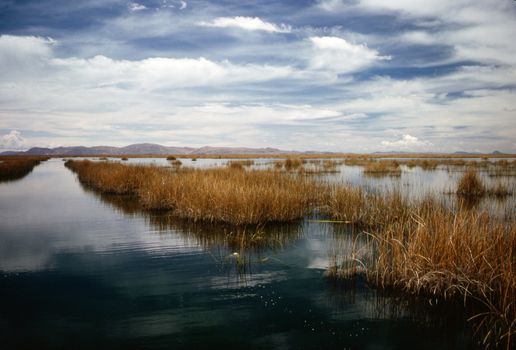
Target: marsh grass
293, 163
471, 185
423, 248
426, 249
463, 255
425, 164
355, 206
207, 195
383, 168
176, 163
15, 168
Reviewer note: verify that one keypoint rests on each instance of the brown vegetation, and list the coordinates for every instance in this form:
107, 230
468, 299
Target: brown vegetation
211, 195
471, 185
426, 249
448, 255
383, 168
422, 248
240, 164
14, 168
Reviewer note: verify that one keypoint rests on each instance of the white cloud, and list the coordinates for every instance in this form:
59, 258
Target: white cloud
479, 30
100, 71
197, 101
183, 5
340, 56
247, 23
134, 6
406, 142
13, 141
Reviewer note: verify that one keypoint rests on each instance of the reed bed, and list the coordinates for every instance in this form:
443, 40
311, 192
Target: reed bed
14, 168
208, 195
471, 185
353, 205
383, 168
462, 255
421, 248
426, 249
425, 164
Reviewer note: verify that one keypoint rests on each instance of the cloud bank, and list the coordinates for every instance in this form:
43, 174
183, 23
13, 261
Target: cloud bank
354, 76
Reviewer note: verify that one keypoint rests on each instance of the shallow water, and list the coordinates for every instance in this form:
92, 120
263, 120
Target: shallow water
83, 270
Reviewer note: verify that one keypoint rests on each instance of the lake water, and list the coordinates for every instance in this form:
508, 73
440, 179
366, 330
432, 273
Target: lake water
79, 270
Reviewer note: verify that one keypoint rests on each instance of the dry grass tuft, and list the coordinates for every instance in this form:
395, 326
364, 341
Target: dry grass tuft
383, 168
240, 164
470, 184
293, 163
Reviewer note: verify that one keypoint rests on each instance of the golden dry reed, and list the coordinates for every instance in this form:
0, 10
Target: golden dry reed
213, 195
13, 168
421, 248
471, 185
382, 168
427, 249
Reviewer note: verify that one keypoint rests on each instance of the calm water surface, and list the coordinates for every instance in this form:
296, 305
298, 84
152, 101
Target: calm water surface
78, 270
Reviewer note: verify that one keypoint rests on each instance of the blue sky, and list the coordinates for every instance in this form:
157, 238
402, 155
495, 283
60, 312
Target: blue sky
333, 75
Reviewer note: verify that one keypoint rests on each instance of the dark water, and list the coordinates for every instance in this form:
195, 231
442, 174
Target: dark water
82, 271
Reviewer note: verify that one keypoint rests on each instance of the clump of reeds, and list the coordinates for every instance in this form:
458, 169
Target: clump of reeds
383, 168
171, 158
293, 163
241, 163
425, 164
124, 159
14, 168
463, 255
330, 165
354, 205
209, 195
176, 164
358, 161
235, 166
112, 178
470, 184
426, 249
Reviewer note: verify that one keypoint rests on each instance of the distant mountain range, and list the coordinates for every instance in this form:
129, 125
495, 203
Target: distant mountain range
142, 149
154, 149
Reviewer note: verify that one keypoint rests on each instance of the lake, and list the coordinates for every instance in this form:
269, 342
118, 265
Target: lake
81, 269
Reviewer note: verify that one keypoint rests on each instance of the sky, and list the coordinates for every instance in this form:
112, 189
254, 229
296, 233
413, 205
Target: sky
322, 75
